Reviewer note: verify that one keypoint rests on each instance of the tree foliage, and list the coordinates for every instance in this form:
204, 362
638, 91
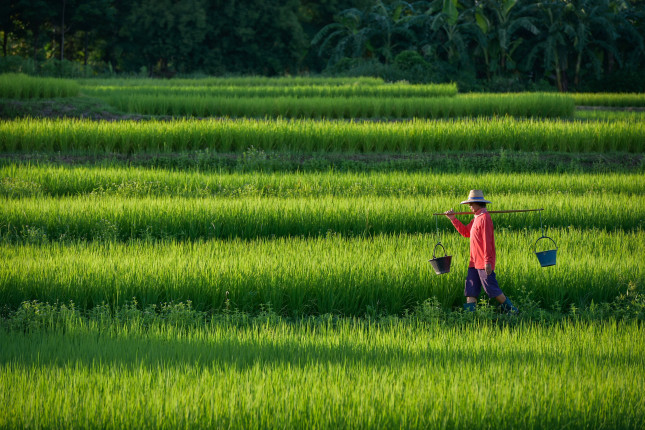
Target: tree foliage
567, 43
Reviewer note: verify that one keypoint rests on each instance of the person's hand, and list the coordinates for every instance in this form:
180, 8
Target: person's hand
450, 214
489, 269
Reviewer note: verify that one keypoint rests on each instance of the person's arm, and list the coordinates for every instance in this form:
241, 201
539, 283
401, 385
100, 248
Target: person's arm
464, 230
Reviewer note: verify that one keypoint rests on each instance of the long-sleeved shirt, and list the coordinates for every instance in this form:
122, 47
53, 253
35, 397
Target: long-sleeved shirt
482, 240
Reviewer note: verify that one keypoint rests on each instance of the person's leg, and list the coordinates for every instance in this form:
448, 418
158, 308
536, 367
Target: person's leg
472, 289
491, 287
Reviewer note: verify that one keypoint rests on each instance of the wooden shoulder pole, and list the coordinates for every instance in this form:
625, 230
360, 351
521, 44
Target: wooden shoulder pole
495, 212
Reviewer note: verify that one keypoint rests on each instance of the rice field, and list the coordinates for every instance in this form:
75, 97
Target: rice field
55, 180
19, 86
246, 81
610, 115
288, 221
297, 91
319, 98
249, 217
192, 297
610, 99
300, 276
221, 377
545, 105
324, 375
305, 136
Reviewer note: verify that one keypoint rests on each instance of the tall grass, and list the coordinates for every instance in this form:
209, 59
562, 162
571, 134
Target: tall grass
520, 105
248, 81
610, 99
610, 115
299, 91
332, 274
278, 375
24, 180
19, 86
119, 218
226, 135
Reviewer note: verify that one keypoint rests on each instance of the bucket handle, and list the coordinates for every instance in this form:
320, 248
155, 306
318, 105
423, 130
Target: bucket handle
435, 250
544, 237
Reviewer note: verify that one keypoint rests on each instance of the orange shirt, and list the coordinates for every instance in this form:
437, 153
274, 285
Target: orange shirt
482, 240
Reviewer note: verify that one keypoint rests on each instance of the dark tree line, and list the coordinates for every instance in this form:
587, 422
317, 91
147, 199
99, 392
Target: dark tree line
565, 42
170, 36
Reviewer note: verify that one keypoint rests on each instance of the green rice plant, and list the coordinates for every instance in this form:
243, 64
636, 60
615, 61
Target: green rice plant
298, 91
482, 134
387, 274
254, 160
96, 217
249, 81
521, 105
323, 375
18, 180
19, 86
610, 99
610, 115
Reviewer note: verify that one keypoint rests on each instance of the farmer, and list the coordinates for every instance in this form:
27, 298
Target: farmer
481, 269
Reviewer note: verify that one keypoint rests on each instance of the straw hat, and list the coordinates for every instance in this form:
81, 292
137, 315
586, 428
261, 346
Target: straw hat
475, 196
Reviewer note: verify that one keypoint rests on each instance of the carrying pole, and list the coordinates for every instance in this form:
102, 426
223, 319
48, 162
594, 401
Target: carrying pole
494, 212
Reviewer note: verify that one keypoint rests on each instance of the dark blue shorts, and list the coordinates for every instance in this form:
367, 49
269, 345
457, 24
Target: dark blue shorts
478, 278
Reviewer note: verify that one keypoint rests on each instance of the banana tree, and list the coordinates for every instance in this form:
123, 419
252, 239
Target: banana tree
348, 36
595, 33
391, 32
501, 23
447, 28
554, 39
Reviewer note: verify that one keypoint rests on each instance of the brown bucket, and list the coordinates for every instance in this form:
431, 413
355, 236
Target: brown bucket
440, 265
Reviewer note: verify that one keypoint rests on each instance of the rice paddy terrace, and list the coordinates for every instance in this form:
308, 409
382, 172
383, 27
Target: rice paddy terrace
253, 253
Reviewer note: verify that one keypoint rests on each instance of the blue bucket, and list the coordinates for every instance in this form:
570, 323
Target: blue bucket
546, 258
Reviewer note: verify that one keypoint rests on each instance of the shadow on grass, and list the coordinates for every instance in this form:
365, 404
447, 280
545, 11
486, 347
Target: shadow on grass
265, 348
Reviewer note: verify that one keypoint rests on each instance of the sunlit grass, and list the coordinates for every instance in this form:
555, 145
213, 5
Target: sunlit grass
610, 115
247, 81
317, 374
609, 99
297, 91
328, 274
19, 86
30, 135
379, 106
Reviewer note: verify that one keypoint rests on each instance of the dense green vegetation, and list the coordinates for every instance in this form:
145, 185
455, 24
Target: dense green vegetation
330, 136
365, 237
610, 99
239, 82
48, 203
316, 89
505, 45
536, 105
248, 217
164, 272
25, 180
610, 115
19, 86
318, 373
257, 160
311, 276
